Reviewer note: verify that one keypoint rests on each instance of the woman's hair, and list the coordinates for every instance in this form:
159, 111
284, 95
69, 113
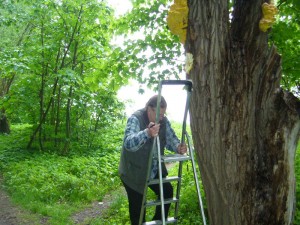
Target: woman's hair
152, 102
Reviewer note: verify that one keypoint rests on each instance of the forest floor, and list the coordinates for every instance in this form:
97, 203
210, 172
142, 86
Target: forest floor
11, 214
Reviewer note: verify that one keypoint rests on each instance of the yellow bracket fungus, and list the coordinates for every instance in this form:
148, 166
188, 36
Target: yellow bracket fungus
269, 11
177, 19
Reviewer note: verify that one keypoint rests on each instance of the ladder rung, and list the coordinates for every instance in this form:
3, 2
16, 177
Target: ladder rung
164, 180
158, 202
175, 157
168, 221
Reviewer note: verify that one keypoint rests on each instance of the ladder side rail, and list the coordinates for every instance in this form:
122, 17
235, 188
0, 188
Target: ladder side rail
158, 155
187, 106
178, 189
186, 110
161, 190
150, 161
196, 179
158, 102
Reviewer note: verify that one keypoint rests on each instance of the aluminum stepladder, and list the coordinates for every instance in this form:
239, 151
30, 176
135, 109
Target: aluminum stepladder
156, 155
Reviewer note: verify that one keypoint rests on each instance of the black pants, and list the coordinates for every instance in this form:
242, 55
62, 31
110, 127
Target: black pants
135, 202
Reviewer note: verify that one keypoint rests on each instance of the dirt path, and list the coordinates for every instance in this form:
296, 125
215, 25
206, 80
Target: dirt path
7, 212
10, 214
97, 208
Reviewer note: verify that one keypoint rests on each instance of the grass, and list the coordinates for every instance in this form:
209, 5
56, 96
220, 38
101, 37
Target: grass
55, 187
189, 213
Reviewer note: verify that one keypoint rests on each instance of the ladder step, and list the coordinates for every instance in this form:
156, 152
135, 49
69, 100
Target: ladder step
164, 180
175, 157
158, 202
168, 221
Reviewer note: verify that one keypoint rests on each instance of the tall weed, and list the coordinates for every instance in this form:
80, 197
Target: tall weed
53, 185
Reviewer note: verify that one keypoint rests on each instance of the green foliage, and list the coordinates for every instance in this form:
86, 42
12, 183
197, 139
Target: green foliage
56, 186
149, 39
189, 212
12, 145
285, 35
50, 178
59, 69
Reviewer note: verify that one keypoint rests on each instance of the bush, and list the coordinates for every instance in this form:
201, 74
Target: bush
51, 178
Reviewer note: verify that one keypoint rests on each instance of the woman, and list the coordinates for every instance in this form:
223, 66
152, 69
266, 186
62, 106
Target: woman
140, 132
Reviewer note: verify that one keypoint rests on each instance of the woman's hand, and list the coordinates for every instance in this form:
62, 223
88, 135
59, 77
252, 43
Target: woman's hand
182, 149
153, 129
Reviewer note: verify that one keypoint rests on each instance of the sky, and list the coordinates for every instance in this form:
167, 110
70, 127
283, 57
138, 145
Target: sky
120, 6
174, 95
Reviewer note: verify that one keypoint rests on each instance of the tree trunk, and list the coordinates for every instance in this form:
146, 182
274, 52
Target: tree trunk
245, 128
57, 120
5, 84
43, 118
42, 89
68, 122
4, 124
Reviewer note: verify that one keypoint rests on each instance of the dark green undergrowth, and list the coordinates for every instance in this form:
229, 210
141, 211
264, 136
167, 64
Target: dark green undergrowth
54, 186
189, 209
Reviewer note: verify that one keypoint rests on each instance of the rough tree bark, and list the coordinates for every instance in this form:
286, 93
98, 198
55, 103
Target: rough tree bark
4, 124
245, 128
5, 84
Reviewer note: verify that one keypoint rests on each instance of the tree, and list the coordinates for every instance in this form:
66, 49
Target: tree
245, 127
12, 34
64, 74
